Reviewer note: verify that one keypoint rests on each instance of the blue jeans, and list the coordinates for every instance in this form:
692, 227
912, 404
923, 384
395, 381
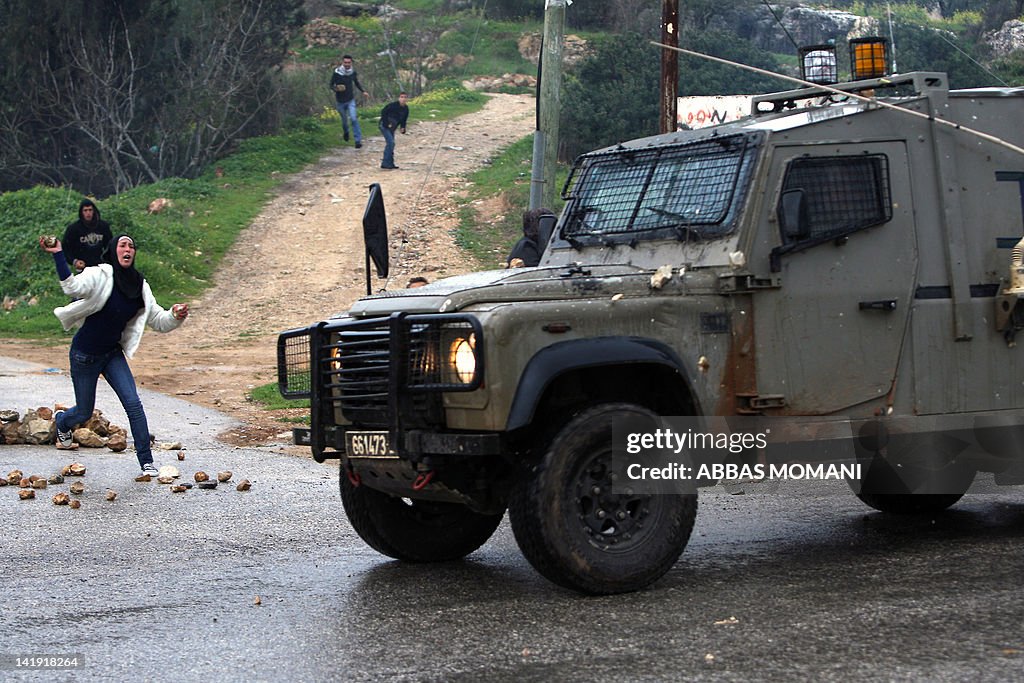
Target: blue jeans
389, 147
86, 369
347, 111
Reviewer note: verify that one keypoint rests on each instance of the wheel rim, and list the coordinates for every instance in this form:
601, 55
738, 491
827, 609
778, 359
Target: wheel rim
612, 522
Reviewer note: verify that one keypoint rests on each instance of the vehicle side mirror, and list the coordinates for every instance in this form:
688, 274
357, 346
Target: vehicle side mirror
792, 215
375, 234
545, 226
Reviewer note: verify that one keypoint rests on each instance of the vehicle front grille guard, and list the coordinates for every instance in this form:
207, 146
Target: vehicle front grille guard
380, 373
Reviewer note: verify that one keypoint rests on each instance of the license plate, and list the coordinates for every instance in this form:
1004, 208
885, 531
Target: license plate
368, 445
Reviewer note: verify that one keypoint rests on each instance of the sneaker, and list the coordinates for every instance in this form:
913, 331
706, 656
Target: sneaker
150, 469
358, 145
64, 442
345, 136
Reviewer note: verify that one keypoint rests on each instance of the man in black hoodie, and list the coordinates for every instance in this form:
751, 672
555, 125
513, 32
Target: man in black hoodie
85, 239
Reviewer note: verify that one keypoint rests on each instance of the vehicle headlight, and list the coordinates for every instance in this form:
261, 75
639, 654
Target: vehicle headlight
462, 357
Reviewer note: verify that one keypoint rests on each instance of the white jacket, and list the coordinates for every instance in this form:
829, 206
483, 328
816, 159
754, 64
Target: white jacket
92, 288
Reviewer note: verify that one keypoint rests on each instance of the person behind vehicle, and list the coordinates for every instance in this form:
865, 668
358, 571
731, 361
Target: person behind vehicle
344, 82
418, 281
527, 250
114, 304
392, 117
85, 239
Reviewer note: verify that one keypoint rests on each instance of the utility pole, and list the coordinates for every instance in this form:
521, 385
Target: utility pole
669, 65
545, 142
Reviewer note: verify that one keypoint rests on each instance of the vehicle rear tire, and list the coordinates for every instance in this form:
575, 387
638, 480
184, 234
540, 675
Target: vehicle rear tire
883, 489
579, 534
415, 530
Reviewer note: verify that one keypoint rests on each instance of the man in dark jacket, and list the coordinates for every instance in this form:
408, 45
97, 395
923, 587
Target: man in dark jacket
344, 82
85, 239
392, 117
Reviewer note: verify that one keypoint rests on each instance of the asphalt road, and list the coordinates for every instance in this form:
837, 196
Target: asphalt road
801, 584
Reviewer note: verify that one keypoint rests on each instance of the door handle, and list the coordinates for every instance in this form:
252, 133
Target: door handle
880, 305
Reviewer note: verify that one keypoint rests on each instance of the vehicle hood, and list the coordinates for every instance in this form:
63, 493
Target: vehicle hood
519, 284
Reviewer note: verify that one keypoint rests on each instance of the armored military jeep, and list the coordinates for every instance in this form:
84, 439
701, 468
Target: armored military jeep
823, 257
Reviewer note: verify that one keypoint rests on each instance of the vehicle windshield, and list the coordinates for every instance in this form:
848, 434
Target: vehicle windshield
685, 191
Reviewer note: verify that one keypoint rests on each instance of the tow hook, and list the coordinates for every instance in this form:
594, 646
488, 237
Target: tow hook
422, 479
353, 477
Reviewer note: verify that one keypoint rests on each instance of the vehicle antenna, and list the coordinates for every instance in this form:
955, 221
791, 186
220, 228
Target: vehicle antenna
781, 25
868, 100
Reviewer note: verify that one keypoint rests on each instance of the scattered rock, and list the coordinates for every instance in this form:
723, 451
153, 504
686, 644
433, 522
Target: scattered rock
574, 48
61, 499
170, 445
24, 483
179, 488
224, 476
159, 204
257, 601
495, 83
3, 482
26, 494
56, 479
1007, 39
14, 476
661, 276
88, 438
9, 416
77, 487
99, 424
143, 477
169, 471
209, 484
243, 485
322, 32
76, 469
39, 484
181, 455
44, 413
37, 431
117, 443
164, 480
10, 432
110, 495
74, 504
201, 476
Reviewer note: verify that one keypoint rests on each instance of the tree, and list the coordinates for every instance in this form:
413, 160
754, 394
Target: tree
104, 96
612, 96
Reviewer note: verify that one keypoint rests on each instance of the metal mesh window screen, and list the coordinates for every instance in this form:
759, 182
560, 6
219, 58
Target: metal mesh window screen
630, 191
842, 194
295, 351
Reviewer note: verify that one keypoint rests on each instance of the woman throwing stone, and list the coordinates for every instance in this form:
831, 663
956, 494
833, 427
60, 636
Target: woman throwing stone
113, 305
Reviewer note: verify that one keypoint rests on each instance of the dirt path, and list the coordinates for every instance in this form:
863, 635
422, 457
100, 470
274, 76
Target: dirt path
302, 258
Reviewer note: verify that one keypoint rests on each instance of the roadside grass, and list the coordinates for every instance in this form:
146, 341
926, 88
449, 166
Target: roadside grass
268, 396
504, 183
180, 247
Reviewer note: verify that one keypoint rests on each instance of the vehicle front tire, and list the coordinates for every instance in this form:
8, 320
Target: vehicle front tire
580, 534
414, 530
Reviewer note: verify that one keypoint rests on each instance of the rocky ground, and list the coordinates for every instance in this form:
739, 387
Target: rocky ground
302, 259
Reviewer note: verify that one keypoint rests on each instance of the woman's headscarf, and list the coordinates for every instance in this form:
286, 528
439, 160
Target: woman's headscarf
127, 280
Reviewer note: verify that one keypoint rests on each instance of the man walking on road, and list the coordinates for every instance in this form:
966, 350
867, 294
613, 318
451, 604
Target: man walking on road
344, 82
393, 116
